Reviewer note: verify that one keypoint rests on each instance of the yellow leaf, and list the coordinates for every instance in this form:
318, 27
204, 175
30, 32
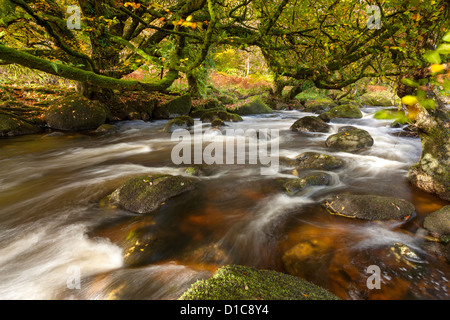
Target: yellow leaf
436, 68
409, 100
188, 19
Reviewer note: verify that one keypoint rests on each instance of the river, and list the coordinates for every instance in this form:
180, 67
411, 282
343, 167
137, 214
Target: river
57, 242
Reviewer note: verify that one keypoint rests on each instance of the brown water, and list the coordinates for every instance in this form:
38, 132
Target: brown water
52, 226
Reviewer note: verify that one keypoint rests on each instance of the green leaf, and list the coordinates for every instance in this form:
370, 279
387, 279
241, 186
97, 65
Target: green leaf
410, 83
428, 104
447, 37
54, 66
433, 57
444, 48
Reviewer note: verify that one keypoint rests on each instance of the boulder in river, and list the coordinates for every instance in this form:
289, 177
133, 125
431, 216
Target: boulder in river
318, 161
256, 106
319, 105
177, 107
182, 122
310, 124
350, 139
234, 282
74, 113
294, 186
146, 193
438, 222
210, 116
343, 111
369, 207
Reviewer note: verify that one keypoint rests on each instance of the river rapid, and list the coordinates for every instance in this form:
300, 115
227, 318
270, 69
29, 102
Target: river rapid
58, 242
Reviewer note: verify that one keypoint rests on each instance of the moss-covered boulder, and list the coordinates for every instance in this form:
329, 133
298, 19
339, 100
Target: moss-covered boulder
10, 126
217, 123
310, 124
210, 116
235, 282
343, 111
438, 222
377, 99
74, 113
369, 207
177, 107
296, 185
319, 105
131, 106
350, 139
145, 194
318, 161
183, 122
256, 106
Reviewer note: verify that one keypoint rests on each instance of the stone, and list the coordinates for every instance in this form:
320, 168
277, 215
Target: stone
294, 186
256, 106
15, 127
369, 207
183, 122
347, 111
318, 161
438, 222
234, 282
74, 113
350, 139
145, 194
310, 124
177, 107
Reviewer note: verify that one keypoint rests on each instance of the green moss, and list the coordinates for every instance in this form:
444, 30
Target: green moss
146, 193
179, 122
235, 282
177, 107
75, 112
256, 106
13, 127
343, 111
210, 116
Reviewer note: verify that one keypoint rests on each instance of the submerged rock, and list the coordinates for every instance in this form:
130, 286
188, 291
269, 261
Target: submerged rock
294, 186
75, 112
438, 222
350, 139
245, 283
310, 124
318, 161
145, 194
369, 207
343, 111
378, 99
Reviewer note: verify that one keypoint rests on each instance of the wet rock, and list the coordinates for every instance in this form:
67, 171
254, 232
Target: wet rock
217, 123
145, 194
369, 207
378, 99
256, 106
310, 124
294, 186
350, 139
303, 257
343, 111
177, 107
131, 106
183, 122
438, 222
233, 282
319, 105
210, 116
405, 254
75, 112
318, 161
15, 127
105, 128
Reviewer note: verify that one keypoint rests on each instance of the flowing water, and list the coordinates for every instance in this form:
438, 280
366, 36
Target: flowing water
54, 232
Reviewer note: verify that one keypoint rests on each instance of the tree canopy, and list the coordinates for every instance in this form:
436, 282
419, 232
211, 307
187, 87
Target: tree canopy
331, 43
